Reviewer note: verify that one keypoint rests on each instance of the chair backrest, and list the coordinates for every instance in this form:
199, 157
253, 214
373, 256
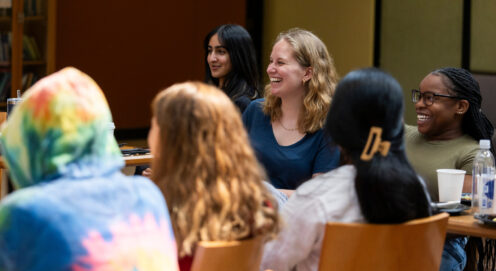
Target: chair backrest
243, 255
414, 245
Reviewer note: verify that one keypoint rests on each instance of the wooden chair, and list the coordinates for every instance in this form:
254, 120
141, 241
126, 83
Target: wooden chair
414, 245
243, 255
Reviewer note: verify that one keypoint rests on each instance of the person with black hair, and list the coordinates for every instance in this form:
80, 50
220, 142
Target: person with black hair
450, 123
376, 185
231, 64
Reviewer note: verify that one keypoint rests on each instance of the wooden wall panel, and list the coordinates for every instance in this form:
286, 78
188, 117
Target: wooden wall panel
483, 36
135, 48
487, 83
418, 36
346, 27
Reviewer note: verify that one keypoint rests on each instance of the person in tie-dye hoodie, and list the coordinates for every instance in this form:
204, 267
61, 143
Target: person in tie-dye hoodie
73, 209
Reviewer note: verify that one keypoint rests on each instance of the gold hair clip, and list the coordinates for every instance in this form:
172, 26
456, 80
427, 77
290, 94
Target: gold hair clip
374, 139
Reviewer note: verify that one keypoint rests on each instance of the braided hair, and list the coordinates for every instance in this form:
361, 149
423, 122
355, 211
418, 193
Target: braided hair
474, 123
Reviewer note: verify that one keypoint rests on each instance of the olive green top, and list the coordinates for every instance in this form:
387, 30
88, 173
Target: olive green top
427, 156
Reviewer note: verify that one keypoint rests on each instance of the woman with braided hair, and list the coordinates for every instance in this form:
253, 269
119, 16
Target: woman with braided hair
450, 123
376, 185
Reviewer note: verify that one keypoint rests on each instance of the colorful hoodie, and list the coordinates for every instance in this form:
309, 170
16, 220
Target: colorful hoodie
74, 209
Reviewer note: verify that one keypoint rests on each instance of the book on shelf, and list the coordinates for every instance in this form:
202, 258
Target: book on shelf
5, 48
28, 79
36, 49
4, 86
32, 80
3, 55
29, 48
32, 7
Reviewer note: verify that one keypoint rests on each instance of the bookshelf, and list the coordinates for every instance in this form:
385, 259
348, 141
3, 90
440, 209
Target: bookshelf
27, 44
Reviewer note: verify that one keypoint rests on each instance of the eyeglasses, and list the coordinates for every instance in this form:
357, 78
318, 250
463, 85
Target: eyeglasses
429, 97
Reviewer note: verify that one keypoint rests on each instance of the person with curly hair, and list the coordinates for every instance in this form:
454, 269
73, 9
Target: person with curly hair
207, 170
285, 128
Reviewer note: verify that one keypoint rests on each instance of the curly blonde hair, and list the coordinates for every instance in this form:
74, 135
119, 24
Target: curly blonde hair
309, 51
207, 170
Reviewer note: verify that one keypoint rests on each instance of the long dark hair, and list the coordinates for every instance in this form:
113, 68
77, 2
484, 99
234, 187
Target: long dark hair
464, 85
388, 188
244, 78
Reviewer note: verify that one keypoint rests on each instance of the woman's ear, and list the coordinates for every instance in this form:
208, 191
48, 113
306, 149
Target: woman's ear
308, 74
462, 107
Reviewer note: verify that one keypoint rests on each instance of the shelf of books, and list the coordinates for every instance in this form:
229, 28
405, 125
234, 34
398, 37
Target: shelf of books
27, 44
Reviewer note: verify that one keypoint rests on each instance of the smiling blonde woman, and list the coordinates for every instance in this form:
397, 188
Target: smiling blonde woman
286, 128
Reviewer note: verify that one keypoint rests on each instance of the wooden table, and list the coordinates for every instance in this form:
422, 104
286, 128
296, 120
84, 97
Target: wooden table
138, 160
468, 225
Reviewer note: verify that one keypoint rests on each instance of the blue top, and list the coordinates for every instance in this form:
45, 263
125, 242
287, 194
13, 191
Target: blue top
288, 166
91, 223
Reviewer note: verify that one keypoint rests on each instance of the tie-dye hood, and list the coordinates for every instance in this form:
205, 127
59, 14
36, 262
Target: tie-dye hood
61, 128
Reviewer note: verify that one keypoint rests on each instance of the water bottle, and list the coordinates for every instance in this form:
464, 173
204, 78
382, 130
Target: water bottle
483, 179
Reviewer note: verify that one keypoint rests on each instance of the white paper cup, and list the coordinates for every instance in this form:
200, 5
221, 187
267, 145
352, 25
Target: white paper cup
450, 184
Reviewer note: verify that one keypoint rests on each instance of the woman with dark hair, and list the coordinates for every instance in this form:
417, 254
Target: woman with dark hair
376, 185
231, 63
450, 123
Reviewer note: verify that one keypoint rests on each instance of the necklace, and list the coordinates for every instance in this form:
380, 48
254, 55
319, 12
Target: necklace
288, 129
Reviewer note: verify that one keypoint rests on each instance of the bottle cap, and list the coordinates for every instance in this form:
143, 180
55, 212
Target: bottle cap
485, 144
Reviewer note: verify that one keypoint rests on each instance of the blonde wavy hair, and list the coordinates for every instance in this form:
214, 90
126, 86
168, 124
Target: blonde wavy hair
207, 170
309, 51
